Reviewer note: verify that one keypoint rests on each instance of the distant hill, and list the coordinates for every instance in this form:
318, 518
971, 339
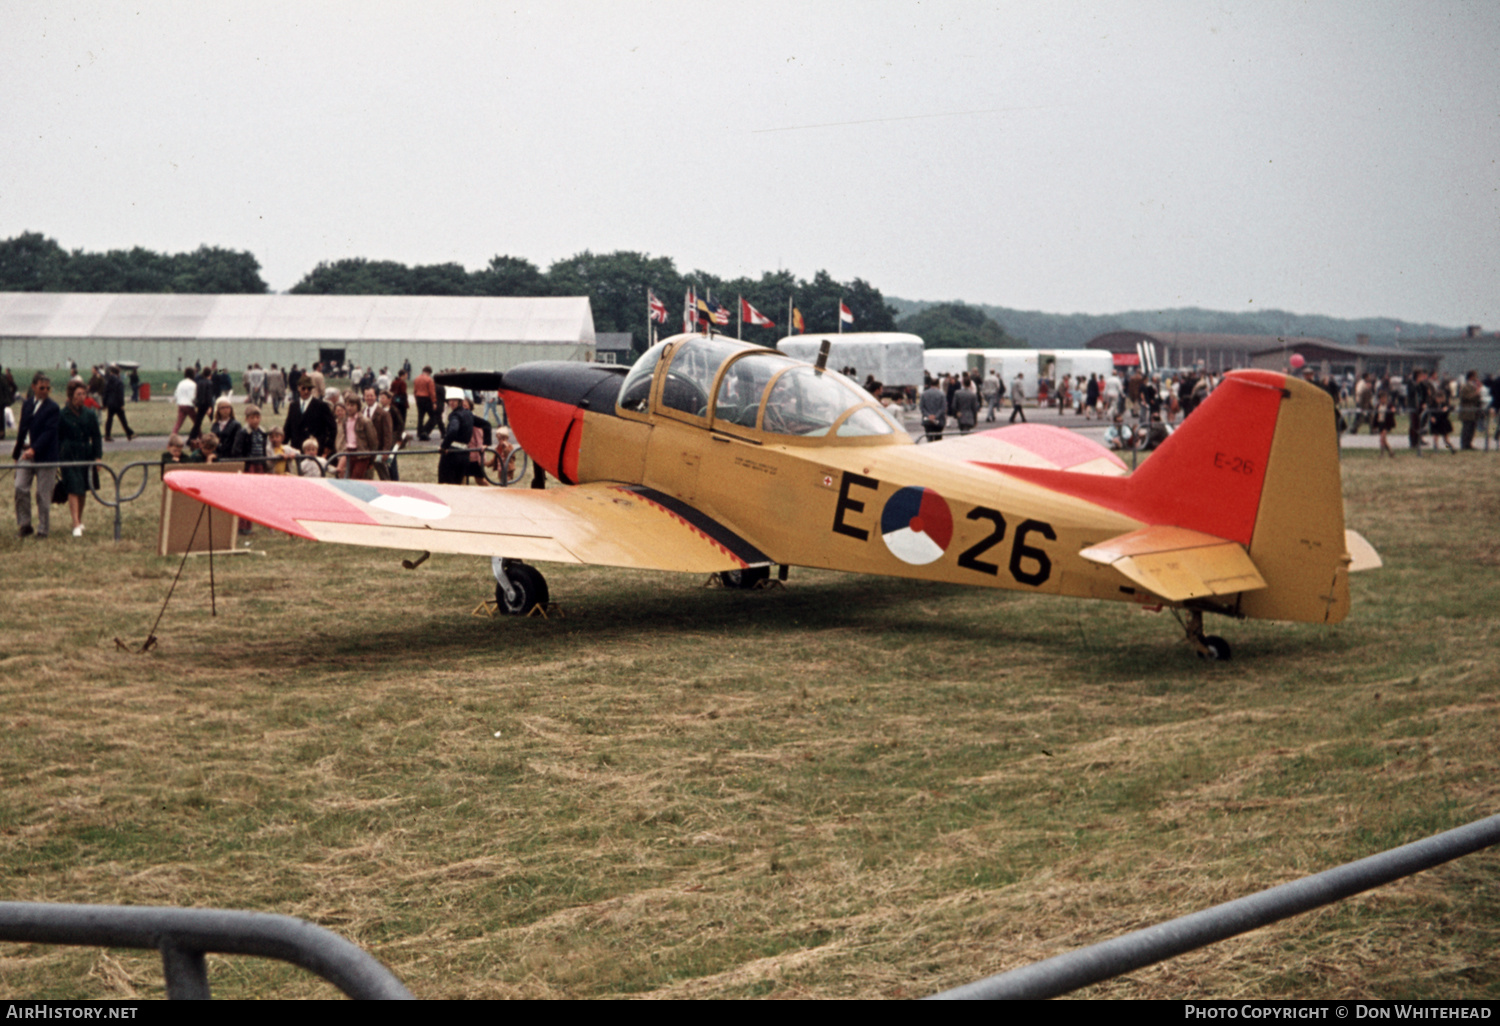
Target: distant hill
1073, 331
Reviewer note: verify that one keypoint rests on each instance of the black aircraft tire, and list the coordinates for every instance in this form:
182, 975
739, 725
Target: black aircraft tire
1218, 649
745, 579
530, 587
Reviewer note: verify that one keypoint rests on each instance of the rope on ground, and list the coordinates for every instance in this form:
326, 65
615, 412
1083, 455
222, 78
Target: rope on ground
150, 641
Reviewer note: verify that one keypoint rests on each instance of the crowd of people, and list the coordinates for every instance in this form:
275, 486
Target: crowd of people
1143, 409
1429, 402
356, 433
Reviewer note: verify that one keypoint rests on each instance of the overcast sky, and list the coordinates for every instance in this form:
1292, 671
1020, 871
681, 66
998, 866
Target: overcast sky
1334, 157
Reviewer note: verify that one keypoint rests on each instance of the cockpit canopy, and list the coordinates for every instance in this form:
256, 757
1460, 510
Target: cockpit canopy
734, 386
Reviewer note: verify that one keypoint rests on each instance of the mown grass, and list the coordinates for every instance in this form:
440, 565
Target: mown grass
848, 787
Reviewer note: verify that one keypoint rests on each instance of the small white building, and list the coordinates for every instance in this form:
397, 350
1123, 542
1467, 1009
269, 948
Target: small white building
1010, 362
1080, 363
950, 361
167, 331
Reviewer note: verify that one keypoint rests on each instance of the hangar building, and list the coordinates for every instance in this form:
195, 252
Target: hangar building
1219, 352
1473, 350
165, 331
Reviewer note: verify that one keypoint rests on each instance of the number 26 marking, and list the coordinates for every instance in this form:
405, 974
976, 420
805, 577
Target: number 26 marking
1020, 552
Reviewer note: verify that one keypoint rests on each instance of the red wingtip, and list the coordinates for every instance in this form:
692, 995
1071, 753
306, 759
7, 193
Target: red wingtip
269, 500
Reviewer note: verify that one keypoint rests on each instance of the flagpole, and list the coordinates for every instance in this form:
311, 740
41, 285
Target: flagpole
841, 315
739, 330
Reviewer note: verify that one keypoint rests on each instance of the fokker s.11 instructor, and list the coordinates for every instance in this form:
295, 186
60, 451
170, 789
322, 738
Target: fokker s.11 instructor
716, 456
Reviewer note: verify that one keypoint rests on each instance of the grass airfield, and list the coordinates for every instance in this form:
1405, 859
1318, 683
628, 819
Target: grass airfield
850, 787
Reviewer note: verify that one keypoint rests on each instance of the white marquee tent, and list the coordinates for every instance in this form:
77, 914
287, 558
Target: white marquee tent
164, 331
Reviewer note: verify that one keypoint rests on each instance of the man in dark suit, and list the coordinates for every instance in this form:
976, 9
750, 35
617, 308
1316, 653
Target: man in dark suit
114, 402
37, 442
203, 401
453, 464
307, 416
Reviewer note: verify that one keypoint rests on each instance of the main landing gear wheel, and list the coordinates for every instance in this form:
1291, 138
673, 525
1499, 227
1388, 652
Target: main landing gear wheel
527, 587
745, 579
1217, 649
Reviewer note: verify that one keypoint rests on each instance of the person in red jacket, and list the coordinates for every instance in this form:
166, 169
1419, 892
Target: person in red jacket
425, 390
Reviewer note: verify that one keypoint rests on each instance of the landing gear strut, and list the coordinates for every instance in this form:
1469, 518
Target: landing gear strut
519, 588
1208, 646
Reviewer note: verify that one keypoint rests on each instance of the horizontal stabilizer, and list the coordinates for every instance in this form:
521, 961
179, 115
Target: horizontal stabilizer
1179, 564
1362, 555
1031, 445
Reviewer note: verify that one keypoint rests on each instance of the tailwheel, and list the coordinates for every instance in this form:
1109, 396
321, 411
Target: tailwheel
519, 588
749, 577
1208, 646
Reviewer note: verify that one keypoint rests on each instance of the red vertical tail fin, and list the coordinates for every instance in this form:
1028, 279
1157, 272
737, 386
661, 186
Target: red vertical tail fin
1209, 473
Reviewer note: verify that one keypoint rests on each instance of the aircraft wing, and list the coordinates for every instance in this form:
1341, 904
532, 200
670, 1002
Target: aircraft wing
1179, 564
600, 523
1031, 445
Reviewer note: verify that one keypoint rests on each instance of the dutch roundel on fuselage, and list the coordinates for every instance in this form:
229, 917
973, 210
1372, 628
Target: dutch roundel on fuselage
917, 525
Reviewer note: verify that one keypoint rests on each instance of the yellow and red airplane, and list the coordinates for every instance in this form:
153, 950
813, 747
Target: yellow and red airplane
716, 456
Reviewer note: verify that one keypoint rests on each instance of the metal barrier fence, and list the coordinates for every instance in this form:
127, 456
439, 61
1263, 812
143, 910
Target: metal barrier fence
185, 935
517, 462
1100, 962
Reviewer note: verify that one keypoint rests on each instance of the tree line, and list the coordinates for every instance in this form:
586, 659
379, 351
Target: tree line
30, 262
616, 285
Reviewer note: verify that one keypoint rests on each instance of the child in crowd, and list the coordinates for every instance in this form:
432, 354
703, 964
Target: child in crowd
1441, 424
278, 447
1385, 422
174, 453
251, 443
312, 465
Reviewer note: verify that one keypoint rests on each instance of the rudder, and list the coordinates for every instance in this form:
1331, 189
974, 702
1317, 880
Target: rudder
1258, 463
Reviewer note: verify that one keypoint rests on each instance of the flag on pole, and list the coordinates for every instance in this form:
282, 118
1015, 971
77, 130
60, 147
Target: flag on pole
846, 316
689, 312
754, 317
658, 309
797, 324
712, 311
709, 313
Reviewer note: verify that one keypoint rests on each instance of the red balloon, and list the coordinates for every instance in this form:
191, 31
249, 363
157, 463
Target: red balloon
1297, 361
